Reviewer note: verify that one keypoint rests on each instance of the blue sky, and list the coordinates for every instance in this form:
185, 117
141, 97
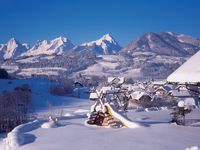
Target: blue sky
86, 20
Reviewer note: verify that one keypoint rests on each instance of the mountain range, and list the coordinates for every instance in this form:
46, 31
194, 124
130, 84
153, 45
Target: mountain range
13, 49
152, 55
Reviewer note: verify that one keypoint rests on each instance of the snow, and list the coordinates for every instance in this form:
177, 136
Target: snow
106, 42
109, 65
189, 72
189, 102
137, 95
14, 48
81, 111
40, 92
2, 136
41, 71
101, 68
11, 47
193, 148
49, 124
47, 57
68, 115
171, 33
55, 46
26, 45
100, 41
14, 140
72, 133
118, 116
112, 58
167, 59
136, 54
18, 135
29, 60
131, 73
10, 68
180, 40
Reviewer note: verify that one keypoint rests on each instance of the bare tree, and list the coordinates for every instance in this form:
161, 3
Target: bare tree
15, 107
62, 87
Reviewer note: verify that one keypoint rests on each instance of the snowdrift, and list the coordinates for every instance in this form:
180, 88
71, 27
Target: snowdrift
50, 124
18, 136
14, 139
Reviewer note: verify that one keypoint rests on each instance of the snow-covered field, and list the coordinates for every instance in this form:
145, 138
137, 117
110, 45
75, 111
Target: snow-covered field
71, 132
10, 68
41, 71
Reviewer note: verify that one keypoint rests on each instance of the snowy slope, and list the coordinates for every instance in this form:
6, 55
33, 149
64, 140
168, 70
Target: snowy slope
189, 72
140, 66
72, 132
55, 46
107, 65
48, 71
105, 45
40, 92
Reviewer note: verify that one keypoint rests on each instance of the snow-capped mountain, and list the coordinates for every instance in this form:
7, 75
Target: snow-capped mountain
152, 55
103, 46
2, 51
188, 39
56, 46
26, 45
12, 49
163, 43
159, 54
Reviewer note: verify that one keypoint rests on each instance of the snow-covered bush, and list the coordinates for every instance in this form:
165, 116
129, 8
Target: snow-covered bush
52, 123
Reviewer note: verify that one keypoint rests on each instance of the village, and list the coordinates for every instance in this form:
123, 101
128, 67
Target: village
99, 75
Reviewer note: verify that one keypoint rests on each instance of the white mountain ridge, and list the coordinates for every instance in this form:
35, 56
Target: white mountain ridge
55, 46
105, 45
12, 49
149, 56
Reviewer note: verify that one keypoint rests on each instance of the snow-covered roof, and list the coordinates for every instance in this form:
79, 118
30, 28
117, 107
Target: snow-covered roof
159, 82
189, 72
137, 95
118, 80
182, 93
165, 88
